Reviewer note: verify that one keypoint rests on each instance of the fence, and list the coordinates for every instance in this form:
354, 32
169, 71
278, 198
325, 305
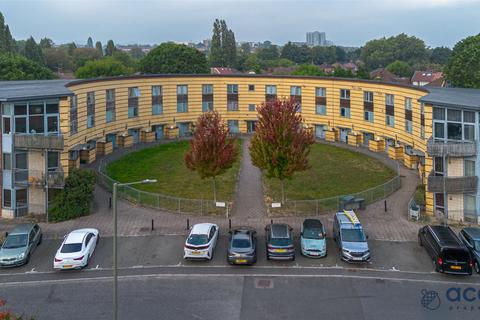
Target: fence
161, 201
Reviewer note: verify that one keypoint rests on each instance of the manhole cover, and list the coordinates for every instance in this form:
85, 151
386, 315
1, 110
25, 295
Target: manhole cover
263, 284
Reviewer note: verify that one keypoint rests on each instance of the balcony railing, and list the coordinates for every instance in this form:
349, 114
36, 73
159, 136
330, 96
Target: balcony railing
38, 141
465, 184
25, 178
450, 148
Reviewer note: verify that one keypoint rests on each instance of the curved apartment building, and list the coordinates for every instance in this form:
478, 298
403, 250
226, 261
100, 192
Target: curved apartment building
51, 126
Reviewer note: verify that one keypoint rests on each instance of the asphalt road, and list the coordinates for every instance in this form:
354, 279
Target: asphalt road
155, 283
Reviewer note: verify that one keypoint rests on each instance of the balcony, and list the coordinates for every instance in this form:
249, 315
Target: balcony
450, 148
38, 141
467, 184
37, 178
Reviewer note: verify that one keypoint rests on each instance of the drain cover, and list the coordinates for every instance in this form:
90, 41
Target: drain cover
263, 284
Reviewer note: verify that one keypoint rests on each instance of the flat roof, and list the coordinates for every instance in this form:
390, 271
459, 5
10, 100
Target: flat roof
453, 97
33, 89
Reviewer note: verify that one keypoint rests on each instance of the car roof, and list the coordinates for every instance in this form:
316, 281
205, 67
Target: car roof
312, 223
202, 228
446, 237
346, 223
279, 230
76, 236
22, 228
473, 232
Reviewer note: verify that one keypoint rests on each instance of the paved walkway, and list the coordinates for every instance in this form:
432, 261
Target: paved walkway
249, 211
249, 202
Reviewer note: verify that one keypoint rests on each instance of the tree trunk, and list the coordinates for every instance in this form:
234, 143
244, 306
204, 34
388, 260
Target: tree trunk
214, 190
283, 191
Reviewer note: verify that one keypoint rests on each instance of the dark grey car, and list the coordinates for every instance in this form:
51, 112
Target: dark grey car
20, 244
242, 246
471, 238
279, 238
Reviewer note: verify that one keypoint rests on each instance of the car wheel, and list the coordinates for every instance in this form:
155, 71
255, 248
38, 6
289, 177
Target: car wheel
98, 239
435, 265
420, 243
40, 240
28, 259
293, 259
86, 263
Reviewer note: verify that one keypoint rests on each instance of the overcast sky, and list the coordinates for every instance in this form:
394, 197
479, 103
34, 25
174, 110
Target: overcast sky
346, 22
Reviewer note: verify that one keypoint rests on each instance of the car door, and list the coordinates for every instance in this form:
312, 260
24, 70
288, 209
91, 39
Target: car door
32, 241
88, 244
429, 243
211, 238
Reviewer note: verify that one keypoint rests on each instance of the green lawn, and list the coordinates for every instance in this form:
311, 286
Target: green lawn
333, 171
166, 164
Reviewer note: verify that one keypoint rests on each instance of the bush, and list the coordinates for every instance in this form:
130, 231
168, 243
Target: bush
16, 67
107, 67
75, 199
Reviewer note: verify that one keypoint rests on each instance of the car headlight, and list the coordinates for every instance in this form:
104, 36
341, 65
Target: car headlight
21, 255
345, 251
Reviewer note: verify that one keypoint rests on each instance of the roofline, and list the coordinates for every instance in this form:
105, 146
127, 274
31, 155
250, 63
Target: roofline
51, 96
242, 75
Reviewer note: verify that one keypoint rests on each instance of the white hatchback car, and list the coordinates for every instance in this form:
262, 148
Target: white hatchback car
76, 249
201, 241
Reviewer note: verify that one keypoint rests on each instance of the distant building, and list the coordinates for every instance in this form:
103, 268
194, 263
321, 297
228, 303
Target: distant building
223, 70
127, 48
316, 38
423, 78
384, 75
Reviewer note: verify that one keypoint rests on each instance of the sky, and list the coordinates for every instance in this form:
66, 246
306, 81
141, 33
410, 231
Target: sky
346, 22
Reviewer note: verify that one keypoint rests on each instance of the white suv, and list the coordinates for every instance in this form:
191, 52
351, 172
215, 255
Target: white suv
201, 241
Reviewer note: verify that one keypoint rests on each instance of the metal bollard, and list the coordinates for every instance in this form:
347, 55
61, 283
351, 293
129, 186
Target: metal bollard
229, 224
153, 227
385, 205
271, 221
110, 203
188, 224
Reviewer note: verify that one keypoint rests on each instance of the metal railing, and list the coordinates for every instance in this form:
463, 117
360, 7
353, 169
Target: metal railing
325, 205
451, 148
26, 177
161, 201
39, 141
465, 184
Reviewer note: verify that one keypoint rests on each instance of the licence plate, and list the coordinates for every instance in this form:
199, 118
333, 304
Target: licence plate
280, 250
241, 261
67, 266
314, 253
456, 267
196, 252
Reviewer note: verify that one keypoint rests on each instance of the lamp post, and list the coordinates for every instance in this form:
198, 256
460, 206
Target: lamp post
114, 209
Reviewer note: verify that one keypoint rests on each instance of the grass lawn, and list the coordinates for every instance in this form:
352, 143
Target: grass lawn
166, 164
333, 171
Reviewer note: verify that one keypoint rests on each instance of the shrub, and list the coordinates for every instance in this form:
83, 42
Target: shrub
74, 200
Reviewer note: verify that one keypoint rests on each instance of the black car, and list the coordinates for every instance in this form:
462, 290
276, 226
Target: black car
471, 238
242, 246
279, 239
445, 248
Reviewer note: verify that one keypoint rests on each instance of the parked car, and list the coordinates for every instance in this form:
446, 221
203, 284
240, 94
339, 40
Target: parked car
471, 238
313, 239
242, 246
19, 245
350, 238
279, 238
201, 241
448, 253
76, 249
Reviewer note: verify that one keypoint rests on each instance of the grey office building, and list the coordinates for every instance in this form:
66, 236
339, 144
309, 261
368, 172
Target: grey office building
316, 38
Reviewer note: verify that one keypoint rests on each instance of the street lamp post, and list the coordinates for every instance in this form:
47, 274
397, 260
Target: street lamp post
114, 209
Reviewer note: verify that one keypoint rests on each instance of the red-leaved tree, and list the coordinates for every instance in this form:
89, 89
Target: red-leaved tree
280, 144
211, 152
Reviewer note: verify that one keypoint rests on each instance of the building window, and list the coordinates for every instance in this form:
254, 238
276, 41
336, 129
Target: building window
408, 126
321, 109
73, 115
157, 100
368, 96
345, 112
251, 87
133, 94
390, 120
469, 205
7, 198
270, 93
207, 97
389, 99
252, 107
233, 126
7, 161
345, 103
90, 109
182, 98
408, 104
110, 105
438, 113
345, 94
232, 97
53, 161
296, 96
368, 106
469, 168
368, 116
422, 120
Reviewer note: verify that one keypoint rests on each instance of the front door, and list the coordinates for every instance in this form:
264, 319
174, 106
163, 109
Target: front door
344, 134
158, 131
112, 137
183, 129
251, 126
320, 131
366, 138
135, 133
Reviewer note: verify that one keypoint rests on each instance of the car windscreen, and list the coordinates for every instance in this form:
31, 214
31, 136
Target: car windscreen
71, 247
241, 243
353, 235
15, 241
456, 255
313, 233
197, 239
280, 242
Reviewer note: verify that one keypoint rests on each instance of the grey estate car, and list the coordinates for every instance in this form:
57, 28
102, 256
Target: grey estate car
20, 244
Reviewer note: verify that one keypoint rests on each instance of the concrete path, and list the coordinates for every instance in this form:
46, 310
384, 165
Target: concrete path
249, 202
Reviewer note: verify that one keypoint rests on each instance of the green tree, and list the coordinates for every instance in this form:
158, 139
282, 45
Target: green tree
17, 67
125, 59
110, 49
268, 53
75, 199
107, 67
440, 55
253, 63
99, 47
216, 52
223, 51
280, 144
58, 58
6, 39
46, 43
400, 68
71, 48
463, 66
211, 151
342, 73
89, 42
82, 55
308, 70
298, 54
136, 52
324, 55
33, 51
174, 58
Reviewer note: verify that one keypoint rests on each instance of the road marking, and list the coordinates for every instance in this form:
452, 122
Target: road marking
31, 271
229, 275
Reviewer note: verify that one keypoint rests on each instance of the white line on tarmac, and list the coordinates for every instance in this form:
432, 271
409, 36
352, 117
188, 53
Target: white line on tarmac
226, 275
